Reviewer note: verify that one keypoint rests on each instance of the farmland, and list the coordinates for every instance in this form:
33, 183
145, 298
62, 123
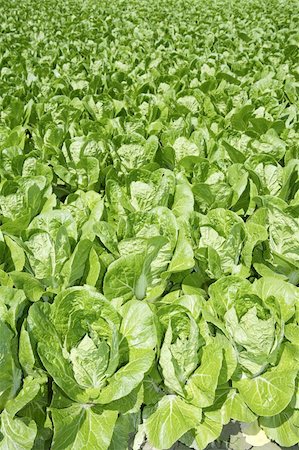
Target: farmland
149, 223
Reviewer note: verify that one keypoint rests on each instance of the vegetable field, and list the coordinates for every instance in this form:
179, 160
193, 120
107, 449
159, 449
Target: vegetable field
149, 223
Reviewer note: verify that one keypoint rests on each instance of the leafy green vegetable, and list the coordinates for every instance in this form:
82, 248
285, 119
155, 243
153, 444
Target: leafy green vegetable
149, 231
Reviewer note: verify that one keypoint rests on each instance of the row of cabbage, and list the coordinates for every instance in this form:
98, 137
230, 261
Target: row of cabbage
149, 237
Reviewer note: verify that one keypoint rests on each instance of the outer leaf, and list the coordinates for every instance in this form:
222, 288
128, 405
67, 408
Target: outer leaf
127, 378
172, 418
183, 258
81, 427
16, 434
138, 325
122, 276
205, 433
201, 386
29, 391
10, 374
270, 393
282, 428
52, 355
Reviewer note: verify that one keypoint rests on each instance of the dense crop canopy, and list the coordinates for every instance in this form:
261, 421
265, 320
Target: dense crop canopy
149, 222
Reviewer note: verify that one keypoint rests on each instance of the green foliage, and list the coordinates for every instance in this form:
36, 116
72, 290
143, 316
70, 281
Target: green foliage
149, 231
